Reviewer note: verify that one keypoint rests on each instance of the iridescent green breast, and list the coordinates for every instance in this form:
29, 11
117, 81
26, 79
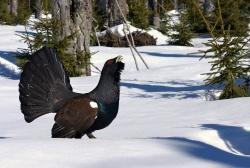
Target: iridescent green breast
106, 114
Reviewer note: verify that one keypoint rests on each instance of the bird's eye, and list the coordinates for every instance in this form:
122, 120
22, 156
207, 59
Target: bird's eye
109, 62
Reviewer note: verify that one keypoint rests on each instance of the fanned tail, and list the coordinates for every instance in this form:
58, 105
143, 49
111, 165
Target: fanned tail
43, 84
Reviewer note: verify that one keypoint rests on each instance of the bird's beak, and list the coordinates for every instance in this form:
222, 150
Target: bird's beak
119, 59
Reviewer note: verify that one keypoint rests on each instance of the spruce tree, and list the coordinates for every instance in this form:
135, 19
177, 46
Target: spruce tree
5, 17
180, 33
194, 17
235, 15
99, 17
229, 59
228, 65
138, 13
44, 33
23, 12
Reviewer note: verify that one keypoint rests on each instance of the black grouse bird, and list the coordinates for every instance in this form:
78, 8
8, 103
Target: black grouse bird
45, 88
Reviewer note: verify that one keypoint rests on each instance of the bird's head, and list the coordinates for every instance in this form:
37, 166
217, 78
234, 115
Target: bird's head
108, 87
113, 68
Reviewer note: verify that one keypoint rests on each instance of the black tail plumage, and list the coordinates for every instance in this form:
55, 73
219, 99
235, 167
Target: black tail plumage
43, 85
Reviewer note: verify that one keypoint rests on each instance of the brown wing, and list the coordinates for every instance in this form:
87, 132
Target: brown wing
75, 116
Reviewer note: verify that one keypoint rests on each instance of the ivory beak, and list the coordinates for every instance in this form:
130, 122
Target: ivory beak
119, 59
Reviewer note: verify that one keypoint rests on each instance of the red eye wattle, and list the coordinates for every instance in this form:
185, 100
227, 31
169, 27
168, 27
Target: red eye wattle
110, 62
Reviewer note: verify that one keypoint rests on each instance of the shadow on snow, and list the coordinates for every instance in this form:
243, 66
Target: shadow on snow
157, 54
237, 139
9, 56
25, 33
5, 71
182, 89
4, 137
208, 152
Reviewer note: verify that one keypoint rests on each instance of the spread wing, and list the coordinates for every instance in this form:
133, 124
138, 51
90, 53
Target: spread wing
74, 118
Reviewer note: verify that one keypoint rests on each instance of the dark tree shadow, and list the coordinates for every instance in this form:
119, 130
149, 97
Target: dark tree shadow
237, 139
161, 88
186, 90
9, 56
167, 55
208, 152
24, 33
6, 71
4, 137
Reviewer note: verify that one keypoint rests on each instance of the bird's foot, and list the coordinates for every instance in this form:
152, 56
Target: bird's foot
91, 136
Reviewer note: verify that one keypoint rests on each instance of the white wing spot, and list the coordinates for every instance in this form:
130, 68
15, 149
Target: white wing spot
93, 104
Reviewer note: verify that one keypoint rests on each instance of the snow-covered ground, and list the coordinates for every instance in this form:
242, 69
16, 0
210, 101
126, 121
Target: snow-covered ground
121, 29
164, 119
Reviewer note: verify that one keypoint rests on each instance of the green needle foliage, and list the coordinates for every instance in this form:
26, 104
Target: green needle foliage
138, 13
229, 59
194, 17
228, 65
5, 17
23, 12
180, 33
235, 16
45, 33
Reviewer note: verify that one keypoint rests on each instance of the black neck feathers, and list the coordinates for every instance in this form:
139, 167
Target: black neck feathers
108, 88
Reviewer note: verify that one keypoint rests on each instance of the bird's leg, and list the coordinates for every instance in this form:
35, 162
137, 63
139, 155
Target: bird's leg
91, 136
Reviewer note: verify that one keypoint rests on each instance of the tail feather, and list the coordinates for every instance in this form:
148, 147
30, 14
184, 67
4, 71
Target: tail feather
43, 84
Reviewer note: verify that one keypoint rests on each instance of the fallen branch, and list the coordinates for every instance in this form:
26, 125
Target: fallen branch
131, 48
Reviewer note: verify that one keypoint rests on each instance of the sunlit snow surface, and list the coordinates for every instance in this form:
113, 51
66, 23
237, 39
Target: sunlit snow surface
164, 119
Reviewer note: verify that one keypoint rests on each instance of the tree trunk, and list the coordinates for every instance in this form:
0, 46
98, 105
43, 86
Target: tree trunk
102, 8
111, 10
208, 6
61, 12
102, 5
154, 19
76, 18
114, 14
12, 7
38, 8
176, 7
82, 21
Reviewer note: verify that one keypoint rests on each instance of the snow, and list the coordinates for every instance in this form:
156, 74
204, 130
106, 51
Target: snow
161, 39
174, 17
9, 43
119, 30
164, 119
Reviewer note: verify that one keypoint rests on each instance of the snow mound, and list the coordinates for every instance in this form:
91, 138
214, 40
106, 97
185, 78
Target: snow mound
161, 39
120, 31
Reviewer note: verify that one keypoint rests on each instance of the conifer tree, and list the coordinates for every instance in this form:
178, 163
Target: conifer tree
23, 11
5, 16
99, 16
180, 33
8, 17
229, 59
194, 17
45, 33
235, 15
229, 66
138, 13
